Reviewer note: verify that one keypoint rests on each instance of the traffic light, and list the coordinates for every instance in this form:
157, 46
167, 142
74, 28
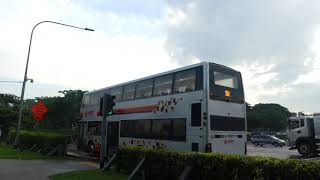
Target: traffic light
109, 104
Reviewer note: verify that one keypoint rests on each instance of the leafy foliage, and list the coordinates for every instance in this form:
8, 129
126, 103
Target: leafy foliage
161, 164
267, 117
44, 140
63, 112
9, 108
9, 105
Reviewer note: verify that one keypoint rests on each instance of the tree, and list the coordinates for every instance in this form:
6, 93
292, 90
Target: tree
62, 111
267, 117
9, 107
252, 122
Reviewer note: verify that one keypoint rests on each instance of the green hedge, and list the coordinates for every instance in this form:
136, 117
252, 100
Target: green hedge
43, 140
161, 164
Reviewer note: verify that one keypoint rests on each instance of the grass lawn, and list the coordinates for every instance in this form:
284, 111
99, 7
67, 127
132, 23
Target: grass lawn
10, 153
90, 175
55, 131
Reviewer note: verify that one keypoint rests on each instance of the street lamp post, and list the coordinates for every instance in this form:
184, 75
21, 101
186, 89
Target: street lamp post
10, 81
25, 79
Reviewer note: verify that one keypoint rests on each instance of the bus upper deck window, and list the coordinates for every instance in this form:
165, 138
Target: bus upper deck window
128, 92
185, 81
86, 100
117, 92
95, 99
144, 88
162, 85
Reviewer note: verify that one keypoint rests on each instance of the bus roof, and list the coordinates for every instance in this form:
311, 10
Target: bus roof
160, 74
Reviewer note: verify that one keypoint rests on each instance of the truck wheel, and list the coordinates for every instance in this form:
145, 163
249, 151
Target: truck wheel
304, 149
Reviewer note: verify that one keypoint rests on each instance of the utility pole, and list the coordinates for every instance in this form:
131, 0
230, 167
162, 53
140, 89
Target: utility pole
107, 110
103, 130
25, 79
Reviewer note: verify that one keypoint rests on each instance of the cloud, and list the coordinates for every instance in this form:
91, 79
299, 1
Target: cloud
275, 44
259, 81
249, 35
123, 47
312, 63
298, 98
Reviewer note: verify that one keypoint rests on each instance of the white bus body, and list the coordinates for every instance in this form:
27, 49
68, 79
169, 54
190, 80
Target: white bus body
195, 108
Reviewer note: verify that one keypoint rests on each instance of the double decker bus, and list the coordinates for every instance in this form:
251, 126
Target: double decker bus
199, 108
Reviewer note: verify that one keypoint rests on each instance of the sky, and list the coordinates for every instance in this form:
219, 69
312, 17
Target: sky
275, 44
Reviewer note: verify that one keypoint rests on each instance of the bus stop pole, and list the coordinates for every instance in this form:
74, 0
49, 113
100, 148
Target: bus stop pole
103, 131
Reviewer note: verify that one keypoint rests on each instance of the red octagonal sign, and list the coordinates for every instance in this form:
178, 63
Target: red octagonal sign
38, 110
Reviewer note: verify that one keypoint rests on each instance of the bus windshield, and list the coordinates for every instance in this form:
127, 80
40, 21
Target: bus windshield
225, 84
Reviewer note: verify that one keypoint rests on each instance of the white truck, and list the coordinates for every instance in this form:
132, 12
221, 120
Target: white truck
304, 134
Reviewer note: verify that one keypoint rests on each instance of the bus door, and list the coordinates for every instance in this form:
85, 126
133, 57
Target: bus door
112, 137
197, 137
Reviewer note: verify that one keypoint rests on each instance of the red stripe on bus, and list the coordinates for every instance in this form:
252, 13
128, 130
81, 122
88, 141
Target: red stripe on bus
140, 109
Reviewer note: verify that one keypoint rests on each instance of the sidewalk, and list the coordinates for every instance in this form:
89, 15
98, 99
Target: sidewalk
39, 169
73, 151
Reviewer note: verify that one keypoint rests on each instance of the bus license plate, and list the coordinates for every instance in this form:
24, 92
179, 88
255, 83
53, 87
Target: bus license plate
228, 141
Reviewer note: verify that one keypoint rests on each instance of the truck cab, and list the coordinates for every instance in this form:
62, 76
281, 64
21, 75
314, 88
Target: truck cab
301, 135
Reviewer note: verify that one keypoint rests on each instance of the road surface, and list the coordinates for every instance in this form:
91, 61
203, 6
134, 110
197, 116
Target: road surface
278, 152
270, 151
14, 169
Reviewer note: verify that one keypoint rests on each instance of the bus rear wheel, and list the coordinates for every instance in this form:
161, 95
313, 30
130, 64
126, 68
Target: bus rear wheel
304, 148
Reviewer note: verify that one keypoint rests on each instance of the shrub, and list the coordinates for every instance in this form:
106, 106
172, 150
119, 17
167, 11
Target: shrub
162, 164
43, 140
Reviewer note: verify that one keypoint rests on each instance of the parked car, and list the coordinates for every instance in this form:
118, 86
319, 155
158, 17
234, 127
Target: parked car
267, 139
